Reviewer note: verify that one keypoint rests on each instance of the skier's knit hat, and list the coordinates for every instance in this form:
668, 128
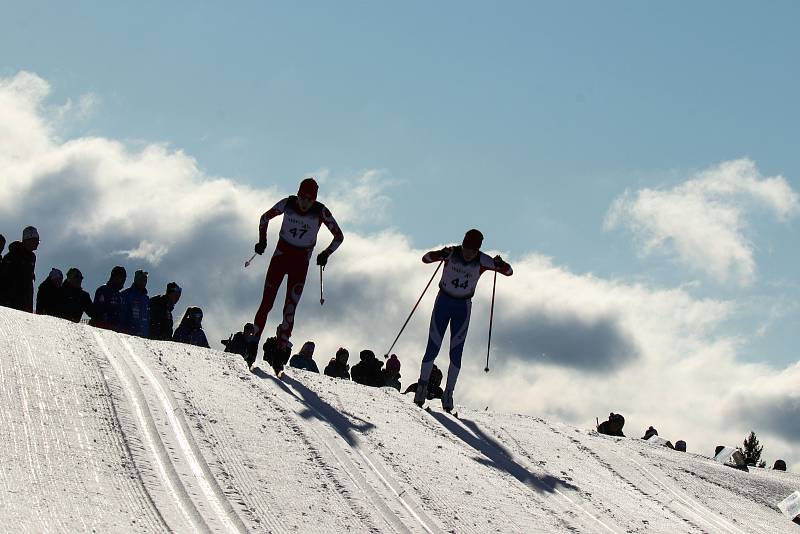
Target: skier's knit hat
30, 233
473, 240
393, 364
308, 189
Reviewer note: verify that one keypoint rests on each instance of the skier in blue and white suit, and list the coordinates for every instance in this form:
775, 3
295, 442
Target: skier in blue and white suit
463, 266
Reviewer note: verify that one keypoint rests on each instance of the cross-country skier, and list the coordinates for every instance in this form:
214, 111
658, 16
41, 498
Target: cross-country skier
302, 218
463, 266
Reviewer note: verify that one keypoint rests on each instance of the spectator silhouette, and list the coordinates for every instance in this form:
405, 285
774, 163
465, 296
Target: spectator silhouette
338, 367
612, 427
391, 374
305, 358
108, 301
48, 296
18, 272
2, 246
780, 465
435, 390
650, 432
161, 306
244, 343
680, 445
135, 307
74, 300
368, 371
190, 331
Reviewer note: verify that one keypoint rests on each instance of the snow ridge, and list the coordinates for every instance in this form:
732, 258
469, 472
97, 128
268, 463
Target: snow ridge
109, 433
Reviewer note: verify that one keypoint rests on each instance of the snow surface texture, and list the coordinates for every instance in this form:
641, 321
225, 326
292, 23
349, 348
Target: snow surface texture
108, 433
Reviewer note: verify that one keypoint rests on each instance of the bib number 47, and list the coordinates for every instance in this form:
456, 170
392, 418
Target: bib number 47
298, 233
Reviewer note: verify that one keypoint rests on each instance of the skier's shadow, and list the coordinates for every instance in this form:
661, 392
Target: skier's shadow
496, 456
319, 409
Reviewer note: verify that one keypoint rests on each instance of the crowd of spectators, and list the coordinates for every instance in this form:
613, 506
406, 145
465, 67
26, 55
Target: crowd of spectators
129, 311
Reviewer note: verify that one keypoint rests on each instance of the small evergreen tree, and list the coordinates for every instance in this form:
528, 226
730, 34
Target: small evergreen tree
752, 449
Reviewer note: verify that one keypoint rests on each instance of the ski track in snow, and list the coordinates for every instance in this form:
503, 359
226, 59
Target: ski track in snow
182, 468
57, 414
109, 433
362, 476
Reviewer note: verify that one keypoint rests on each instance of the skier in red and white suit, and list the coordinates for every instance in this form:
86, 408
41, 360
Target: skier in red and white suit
302, 218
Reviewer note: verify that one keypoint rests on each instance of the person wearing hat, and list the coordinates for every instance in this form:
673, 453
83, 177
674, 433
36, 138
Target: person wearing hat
302, 218
190, 331
244, 343
305, 358
434, 385
391, 374
74, 300
108, 302
135, 307
338, 367
463, 267
2, 245
18, 272
48, 296
161, 306
368, 371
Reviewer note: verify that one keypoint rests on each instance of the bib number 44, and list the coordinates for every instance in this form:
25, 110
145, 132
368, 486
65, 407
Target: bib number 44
458, 284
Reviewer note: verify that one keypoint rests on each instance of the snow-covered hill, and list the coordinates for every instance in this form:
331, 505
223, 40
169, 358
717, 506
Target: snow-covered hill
102, 432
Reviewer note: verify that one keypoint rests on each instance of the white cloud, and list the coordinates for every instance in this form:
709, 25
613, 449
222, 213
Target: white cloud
704, 221
150, 252
653, 353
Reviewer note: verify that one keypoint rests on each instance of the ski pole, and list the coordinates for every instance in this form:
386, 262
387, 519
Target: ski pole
321, 293
491, 319
248, 262
414, 309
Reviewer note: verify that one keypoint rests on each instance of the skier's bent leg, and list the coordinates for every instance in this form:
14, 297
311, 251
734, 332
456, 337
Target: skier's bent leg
294, 291
459, 325
439, 319
275, 274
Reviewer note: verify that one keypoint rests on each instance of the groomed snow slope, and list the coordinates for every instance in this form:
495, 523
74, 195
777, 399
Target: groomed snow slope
107, 433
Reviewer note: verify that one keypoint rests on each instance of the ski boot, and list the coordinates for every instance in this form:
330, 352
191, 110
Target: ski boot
422, 393
447, 400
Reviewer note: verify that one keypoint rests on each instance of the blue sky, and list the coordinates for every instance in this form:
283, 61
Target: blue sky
524, 119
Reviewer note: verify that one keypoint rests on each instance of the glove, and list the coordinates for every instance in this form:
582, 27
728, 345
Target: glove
322, 258
499, 263
261, 246
444, 253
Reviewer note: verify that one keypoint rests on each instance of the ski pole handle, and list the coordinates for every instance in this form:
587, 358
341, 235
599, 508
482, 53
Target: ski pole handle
248, 262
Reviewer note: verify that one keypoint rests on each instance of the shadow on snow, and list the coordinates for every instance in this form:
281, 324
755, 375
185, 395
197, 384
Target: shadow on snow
496, 456
319, 409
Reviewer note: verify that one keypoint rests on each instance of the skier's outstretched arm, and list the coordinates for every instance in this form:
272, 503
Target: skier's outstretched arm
338, 236
263, 224
437, 255
495, 264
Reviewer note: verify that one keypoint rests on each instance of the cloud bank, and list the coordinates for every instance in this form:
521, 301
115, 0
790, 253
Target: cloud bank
703, 222
566, 345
